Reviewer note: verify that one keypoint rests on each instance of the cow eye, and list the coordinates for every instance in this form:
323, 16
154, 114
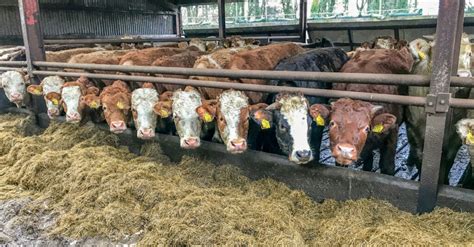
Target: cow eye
104, 107
282, 127
367, 129
332, 124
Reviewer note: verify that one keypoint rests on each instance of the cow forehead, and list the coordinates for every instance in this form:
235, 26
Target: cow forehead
231, 102
291, 104
52, 84
185, 103
71, 91
142, 96
351, 113
13, 78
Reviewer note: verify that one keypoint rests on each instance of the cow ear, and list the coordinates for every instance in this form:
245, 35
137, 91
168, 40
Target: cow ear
54, 97
35, 89
261, 116
163, 108
207, 110
274, 106
375, 109
382, 123
320, 114
92, 101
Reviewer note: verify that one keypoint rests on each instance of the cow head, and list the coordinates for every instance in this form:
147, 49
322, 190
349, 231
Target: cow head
116, 107
143, 102
14, 85
50, 88
183, 104
465, 129
293, 126
384, 42
71, 94
198, 43
232, 112
350, 124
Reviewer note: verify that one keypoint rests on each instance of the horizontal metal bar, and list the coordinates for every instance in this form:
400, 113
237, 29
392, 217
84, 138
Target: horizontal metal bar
12, 63
387, 79
156, 40
385, 98
12, 68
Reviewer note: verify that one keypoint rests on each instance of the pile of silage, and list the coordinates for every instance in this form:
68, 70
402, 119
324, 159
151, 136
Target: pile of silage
98, 189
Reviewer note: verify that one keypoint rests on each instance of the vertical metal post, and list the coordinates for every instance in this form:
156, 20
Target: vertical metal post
179, 22
351, 41
438, 101
303, 20
33, 42
221, 10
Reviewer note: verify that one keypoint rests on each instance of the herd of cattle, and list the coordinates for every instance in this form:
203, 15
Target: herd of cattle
286, 123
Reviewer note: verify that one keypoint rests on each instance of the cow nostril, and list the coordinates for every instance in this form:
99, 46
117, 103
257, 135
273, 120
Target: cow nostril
303, 154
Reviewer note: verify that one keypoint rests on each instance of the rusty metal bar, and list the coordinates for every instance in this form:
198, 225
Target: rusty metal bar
33, 42
446, 33
179, 22
388, 79
11, 68
221, 10
303, 22
386, 98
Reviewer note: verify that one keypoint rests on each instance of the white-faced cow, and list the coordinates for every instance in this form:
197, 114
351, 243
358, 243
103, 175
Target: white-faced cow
50, 88
14, 85
143, 102
72, 98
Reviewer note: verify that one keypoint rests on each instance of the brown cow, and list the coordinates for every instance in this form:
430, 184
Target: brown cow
262, 58
65, 55
182, 60
356, 128
115, 101
146, 57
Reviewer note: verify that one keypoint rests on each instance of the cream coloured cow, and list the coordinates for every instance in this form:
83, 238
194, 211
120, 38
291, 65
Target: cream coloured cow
50, 88
14, 85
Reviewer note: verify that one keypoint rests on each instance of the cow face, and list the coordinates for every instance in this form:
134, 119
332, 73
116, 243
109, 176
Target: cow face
50, 88
185, 117
465, 129
351, 122
293, 126
384, 43
71, 102
14, 85
143, 101
116, 108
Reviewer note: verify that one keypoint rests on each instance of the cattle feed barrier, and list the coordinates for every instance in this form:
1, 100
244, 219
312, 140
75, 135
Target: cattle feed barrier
428, 192
329, 93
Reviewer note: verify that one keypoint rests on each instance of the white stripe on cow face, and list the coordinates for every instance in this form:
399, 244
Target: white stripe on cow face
143, 101
186, 119
294, 110
230, 105
52, 84
14, 85
71, 97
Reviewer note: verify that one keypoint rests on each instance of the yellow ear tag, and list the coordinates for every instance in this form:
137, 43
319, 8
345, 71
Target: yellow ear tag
265, 124
120, 105
319, 121
55, 101
164, 114
207, 117
469, 138
378, 128
37, 92
421, 55
94, 105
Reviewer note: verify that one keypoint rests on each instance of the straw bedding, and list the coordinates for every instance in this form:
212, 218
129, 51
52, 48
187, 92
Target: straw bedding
95, 188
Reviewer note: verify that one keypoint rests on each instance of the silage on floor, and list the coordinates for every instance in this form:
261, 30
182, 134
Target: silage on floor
99, 189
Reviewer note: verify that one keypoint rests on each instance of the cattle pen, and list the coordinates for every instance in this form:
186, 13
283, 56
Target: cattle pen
319, 182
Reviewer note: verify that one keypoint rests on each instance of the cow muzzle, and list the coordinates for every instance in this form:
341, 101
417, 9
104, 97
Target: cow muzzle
73, 117
52, 113
345, 154
118, 127
16, 97
190, 143
146, 133
301, 156
237, 146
